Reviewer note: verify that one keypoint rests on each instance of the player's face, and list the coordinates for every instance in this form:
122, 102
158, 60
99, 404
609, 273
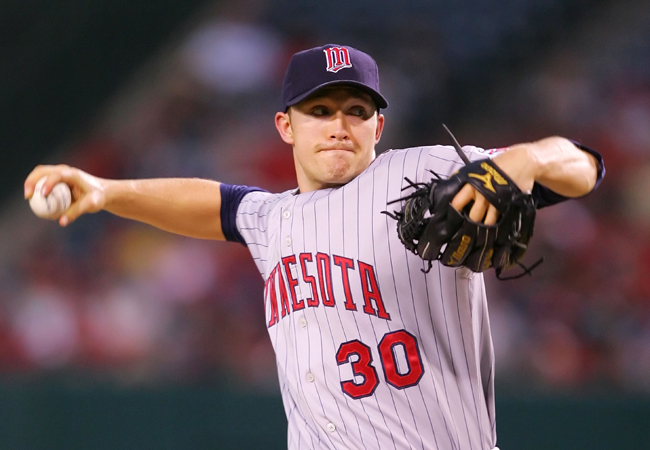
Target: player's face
333, 134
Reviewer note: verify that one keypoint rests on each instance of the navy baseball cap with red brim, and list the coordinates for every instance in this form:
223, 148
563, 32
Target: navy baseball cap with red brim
329, 65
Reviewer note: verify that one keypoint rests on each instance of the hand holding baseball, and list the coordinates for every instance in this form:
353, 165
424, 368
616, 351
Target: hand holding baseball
47, 189
52, 206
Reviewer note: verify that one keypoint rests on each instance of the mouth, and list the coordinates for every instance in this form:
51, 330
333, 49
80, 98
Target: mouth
333, 149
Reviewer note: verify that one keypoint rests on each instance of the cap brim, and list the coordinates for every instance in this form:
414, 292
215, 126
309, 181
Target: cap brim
379, 99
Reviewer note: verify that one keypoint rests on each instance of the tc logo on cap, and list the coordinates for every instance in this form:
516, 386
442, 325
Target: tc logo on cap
337, 58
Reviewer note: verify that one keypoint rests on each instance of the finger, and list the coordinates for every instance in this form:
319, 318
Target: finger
59, 174
479, 208
35, 175
491, 216
463, 197
87, 203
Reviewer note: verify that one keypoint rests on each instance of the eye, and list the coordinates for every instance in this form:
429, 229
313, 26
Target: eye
359, 111
319, 111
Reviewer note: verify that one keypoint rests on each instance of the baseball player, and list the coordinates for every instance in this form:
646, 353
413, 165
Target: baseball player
372, 351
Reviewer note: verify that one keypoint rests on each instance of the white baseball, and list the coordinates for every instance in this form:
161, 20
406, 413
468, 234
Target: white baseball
55, 204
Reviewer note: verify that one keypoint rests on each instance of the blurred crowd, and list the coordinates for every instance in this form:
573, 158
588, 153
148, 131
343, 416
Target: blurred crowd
106, 299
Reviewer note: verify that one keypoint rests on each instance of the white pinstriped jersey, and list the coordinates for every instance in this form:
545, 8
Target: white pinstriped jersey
371, 352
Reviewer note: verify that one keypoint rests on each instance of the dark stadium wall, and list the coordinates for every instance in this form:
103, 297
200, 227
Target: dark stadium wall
60, 61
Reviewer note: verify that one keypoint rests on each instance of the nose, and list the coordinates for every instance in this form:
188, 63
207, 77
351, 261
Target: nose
339, 129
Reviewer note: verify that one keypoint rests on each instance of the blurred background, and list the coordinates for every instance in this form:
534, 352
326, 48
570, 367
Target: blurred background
116, 335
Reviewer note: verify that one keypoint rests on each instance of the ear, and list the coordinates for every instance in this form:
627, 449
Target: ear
283, 125
380, 127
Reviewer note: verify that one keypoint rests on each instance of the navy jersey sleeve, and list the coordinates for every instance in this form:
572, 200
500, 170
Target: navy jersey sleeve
545, 197
231, 197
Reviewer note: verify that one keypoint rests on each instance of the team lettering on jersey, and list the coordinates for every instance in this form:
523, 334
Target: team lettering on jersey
284, 300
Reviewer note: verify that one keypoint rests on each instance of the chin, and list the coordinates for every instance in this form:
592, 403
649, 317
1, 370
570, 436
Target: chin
340, 174
339, 178
339, 169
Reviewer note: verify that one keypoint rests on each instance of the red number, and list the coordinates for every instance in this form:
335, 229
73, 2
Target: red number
387, 348
390, 343
362, 367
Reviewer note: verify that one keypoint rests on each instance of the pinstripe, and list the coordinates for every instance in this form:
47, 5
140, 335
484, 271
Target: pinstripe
326, 315
372, 228
329, 249
480, 394
286, 356
459, 163
298, 376
479, 387
399, 309
355, 319
451, 355
493, 422
300, 372
372, 234
435, 339
484, 388
292, 409
469, 373
315, 294
408, 271
442, 372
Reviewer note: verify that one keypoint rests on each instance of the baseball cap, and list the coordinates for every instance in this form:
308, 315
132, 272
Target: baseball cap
331, 64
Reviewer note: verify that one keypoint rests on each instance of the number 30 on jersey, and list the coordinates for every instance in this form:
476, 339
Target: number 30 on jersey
359, 356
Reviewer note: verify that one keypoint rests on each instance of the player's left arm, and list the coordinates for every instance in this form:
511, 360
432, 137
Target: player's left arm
554, 162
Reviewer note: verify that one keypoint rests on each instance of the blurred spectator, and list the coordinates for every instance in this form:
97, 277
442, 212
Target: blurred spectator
46, 327
234, 58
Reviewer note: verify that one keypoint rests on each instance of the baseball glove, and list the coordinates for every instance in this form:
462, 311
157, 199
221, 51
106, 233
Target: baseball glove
430, 227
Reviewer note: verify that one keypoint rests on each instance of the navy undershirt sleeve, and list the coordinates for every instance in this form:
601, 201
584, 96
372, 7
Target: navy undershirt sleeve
231, 197
545, 197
